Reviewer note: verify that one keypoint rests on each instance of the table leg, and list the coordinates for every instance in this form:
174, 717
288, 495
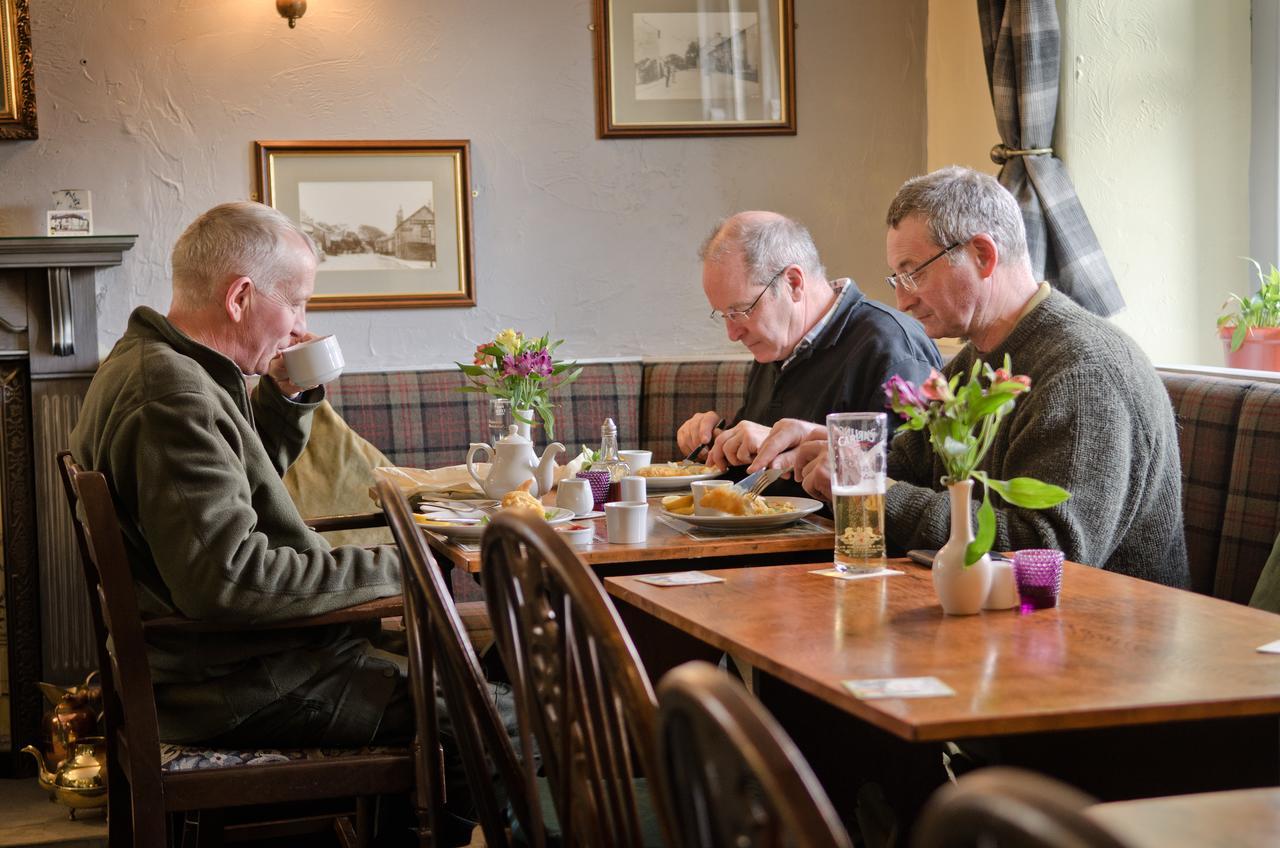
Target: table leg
661, 646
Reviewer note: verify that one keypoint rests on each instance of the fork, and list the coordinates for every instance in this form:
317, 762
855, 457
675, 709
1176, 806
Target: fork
765, 480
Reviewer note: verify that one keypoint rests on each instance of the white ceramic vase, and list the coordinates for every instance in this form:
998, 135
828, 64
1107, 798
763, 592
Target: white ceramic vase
961, 590
522, 428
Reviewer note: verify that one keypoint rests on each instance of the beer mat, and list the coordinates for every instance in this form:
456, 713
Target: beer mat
856, 575
679, 578
898, 687
1270, 648
802, 527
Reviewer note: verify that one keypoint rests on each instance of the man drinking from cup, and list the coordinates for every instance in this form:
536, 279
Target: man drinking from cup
820, 346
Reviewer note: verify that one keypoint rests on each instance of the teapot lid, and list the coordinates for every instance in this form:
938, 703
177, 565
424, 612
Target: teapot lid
513, 437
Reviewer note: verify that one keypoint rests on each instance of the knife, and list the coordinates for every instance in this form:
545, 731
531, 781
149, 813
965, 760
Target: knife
688, 460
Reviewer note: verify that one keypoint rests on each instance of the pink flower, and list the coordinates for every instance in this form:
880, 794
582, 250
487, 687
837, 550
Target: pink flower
902, 393
935, 388
540, 362
515, 366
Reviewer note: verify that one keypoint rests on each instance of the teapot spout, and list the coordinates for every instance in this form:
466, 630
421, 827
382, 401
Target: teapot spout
545, 475
46, 777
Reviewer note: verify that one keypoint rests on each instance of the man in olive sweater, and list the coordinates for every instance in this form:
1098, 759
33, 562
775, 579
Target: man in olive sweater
194, 461
1096, 422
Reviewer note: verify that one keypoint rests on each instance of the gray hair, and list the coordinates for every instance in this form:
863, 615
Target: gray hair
768, 243
241, 238
958, 203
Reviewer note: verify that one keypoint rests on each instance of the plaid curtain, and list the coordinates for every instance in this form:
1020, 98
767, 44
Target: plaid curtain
1020, 41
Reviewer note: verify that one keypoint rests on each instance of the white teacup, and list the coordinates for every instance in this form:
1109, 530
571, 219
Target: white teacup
315, 362
627, 522
1003, 593
575, 493
699, 488
635, 460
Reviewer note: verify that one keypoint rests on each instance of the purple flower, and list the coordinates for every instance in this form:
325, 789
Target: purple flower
902, 393
515, 366
540, 362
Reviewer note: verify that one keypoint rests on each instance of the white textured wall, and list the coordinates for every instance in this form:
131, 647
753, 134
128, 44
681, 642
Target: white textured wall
153, 106
1154, 126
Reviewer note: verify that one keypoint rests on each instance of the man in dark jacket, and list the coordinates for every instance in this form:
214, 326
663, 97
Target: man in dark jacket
820, 347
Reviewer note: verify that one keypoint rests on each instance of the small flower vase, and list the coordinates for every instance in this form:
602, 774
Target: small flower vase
523, 428
961, 590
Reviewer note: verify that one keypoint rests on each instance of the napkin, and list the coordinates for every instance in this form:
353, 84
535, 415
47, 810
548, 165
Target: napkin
855, 575
451, 482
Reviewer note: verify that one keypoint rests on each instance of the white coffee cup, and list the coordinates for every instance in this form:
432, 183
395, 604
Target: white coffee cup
633, 489
1003, 592
635, 460
575, 493
699, 488
627, 522
315, 362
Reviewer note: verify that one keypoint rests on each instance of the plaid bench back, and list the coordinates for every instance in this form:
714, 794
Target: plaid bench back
1229, 442
420, 420
675, 390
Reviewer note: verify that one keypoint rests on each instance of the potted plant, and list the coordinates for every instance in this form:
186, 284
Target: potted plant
1250, 326
962, 421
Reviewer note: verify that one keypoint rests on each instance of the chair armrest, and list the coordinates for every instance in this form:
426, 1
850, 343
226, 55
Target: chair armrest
355, 521
380, 608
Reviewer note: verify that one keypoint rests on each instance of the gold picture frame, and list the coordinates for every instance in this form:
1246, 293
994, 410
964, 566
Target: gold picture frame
694, 67
17, 77
392, 218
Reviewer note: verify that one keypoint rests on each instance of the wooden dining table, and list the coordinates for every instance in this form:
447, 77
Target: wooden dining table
1244, 818
1126, 689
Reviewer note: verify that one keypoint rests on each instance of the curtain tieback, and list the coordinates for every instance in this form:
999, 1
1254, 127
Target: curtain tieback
1002, 153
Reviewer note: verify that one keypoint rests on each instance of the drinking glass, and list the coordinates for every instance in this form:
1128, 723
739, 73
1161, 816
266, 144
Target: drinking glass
499, 419
1038, 573
857, 449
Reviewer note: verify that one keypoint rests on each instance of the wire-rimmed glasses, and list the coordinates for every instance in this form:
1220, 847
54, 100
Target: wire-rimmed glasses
907, 279
739, 315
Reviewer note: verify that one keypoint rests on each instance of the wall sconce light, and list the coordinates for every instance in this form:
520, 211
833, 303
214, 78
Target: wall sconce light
291, 9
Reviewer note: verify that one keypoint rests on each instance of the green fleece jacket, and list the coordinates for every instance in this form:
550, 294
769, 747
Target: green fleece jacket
1097, 422
195, 465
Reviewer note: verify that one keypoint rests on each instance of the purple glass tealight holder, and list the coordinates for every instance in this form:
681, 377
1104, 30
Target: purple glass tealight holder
1038, 573
599, 481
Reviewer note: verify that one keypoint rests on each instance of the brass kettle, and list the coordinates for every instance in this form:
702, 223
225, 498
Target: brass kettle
74, 714
80, 781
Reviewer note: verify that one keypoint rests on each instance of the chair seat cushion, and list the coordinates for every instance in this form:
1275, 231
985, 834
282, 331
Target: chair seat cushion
190, 758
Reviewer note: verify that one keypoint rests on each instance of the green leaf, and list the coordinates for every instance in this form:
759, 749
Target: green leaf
991, 403
471, 370
474, 389
1029, 493
986, 534
1237, 337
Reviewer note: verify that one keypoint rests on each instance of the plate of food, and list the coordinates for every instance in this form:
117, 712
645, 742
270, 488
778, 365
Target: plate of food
667, 476
739, 513
468, 525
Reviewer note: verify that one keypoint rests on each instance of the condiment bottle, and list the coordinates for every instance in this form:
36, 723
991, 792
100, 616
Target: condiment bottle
609, 459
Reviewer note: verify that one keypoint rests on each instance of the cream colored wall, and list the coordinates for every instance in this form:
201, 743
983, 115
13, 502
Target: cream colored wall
1154, 129
154, 106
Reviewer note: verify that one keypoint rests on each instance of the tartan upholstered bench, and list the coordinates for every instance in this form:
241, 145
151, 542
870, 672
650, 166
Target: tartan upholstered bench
1229, 439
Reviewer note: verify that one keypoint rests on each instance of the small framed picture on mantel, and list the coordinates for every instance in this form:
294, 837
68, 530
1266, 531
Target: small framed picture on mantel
695, 67
391, 219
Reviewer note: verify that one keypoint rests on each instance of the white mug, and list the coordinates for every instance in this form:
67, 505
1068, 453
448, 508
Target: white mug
635, 460
633, 489
314, 362
627, 522
1003, 593
699, 488
575, 493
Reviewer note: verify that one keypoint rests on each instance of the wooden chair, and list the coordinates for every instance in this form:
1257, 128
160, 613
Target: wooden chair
579, 686
433, 626
1012, 808
732, 776
142, 796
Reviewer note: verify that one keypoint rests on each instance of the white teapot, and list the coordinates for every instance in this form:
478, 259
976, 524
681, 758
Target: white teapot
513, 462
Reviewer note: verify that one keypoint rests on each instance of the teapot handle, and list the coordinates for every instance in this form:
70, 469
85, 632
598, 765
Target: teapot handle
476, 447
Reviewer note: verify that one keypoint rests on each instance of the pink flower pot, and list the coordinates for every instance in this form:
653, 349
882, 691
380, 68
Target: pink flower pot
1260, 351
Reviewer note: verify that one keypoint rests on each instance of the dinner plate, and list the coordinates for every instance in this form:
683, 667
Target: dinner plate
667, 484
471, 531
802, 507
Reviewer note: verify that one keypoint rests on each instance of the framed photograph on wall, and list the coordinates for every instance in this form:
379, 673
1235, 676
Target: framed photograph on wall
695, 67
392, 219
17, 77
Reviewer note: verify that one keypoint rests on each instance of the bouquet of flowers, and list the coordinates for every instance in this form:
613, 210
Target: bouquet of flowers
521, 370
962, 422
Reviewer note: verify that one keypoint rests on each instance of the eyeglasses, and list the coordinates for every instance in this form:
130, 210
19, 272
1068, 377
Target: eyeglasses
739, 315
907, 279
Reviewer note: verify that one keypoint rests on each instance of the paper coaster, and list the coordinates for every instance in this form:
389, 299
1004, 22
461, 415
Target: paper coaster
898, 687
856, 575
1270, 648
586, 515
680, 578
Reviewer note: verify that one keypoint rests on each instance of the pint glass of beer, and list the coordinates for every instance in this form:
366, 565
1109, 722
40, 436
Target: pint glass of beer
857, 446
